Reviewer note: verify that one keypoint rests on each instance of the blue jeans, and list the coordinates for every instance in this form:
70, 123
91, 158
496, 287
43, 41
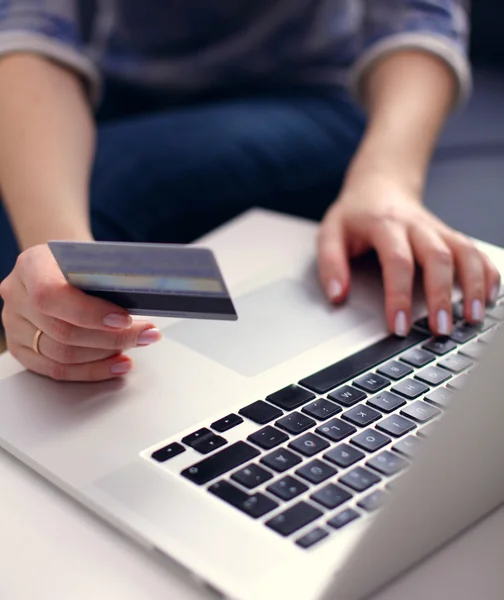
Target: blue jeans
170, 171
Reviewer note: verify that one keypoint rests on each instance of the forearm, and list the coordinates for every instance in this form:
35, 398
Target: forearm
48, 138
408, 96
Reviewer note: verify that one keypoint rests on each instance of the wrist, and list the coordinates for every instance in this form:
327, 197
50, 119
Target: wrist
378, 159
43, 232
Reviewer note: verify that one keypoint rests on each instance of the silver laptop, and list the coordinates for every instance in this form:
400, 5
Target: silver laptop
301, 452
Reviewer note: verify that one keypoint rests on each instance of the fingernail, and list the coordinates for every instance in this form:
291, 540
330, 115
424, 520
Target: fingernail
118, 321
334, 289
494, 294
121, 368
443, 325
148, 336
400, 324
477, 310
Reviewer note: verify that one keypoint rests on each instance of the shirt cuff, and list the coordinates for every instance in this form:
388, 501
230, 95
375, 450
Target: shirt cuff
449, 52
26, 41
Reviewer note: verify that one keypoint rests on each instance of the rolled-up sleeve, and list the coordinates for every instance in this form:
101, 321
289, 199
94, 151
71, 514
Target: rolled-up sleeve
49, 28
440, 27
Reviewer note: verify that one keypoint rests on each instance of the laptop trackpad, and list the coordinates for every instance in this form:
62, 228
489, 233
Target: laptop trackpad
275, 323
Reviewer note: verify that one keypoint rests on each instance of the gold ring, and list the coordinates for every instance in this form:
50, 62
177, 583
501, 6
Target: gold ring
36, 341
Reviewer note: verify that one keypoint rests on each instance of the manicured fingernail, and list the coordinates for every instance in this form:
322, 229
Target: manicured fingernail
118, 321
149, 336
494, 294
121, 368
443, 325
334, 289
477, 310
400, 324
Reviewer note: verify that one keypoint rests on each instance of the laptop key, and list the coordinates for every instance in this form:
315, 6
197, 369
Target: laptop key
251, 476
360, 479
368, 358
395, 370
295, 423
410, 388
226, 423
294, 518
386, 402
290, 397
312, 537
421, 412
489, 336
336, 430
408, 446
440, 397
347, 395
463, 332
486, 325
371, 382
255, 505
433, 375
209, 443
197, 436
387, 463
373, 501
458, 383
422, 324
473, 350
370, 440
260, 412
396, 425
343, 518
309, 444
456, 363
268, 437
316, 471
440, 346
331, 496
417, 357
321, 409
496, 312
281, 460
164, 454
344, 455
428, 429
287, 488
221, 462
361, 415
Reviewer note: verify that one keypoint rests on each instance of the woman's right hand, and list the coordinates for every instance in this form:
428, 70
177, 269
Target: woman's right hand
83, 338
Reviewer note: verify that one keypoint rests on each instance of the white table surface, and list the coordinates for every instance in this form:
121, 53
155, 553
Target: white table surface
50, 547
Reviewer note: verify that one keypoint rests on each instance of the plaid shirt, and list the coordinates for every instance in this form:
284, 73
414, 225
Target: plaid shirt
195, 45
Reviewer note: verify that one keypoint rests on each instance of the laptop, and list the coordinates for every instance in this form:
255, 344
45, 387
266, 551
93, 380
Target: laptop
301, 452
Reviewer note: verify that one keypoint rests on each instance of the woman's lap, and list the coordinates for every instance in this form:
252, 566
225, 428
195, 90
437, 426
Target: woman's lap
171, 176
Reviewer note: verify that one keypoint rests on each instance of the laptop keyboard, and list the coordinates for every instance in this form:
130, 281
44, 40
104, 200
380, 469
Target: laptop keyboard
326, 451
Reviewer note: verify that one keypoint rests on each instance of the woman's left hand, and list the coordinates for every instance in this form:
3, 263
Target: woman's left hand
377, 212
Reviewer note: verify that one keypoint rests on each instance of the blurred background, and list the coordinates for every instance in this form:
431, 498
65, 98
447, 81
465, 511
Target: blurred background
467, 177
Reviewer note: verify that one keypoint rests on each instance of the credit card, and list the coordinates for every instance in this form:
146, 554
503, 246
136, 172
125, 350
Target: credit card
164, 280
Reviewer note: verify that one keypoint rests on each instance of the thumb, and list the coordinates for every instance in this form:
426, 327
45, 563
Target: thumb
334, 268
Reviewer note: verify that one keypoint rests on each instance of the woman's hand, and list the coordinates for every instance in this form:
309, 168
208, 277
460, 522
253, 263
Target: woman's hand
82, 337
378, 212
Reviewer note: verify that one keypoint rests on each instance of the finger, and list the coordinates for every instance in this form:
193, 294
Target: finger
492, 280
334, 270
50, 294
436, 259
471, 273
141, 333
57, 351
102, 370
398, 267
